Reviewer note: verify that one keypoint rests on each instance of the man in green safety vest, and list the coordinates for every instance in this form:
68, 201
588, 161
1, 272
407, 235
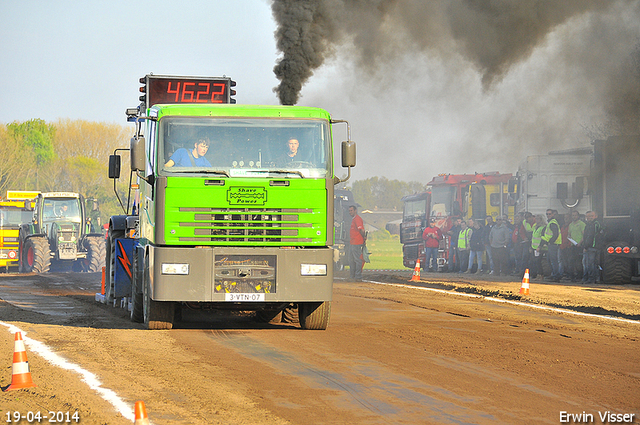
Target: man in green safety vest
464, 245
537, 249
552, 239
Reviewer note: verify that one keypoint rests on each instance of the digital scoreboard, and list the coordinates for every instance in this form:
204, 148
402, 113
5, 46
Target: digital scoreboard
166, 89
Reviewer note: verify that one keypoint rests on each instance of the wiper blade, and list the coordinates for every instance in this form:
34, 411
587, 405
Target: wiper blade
287, 172
220, 172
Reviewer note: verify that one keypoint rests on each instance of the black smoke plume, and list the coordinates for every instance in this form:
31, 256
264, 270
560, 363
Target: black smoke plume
491, 35
304, 36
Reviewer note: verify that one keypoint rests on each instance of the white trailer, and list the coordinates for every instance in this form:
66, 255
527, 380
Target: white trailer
558, 180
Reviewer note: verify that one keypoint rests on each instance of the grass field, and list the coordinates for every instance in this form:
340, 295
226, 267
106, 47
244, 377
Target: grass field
386, 251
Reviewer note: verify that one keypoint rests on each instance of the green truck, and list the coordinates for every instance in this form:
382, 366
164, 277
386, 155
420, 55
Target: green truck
231, 206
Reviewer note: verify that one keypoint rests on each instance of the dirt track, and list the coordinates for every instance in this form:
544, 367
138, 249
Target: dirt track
390, 355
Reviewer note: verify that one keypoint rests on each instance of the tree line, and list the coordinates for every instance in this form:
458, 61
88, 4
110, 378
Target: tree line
66, 155
382, 193
73, 155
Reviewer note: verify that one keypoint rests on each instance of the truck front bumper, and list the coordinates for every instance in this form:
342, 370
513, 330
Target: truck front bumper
219, 274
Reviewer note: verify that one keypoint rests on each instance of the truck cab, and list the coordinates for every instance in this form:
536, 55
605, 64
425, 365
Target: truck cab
233, 207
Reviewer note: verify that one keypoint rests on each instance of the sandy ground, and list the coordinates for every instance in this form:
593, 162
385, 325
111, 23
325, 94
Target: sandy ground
616, 300
448, 353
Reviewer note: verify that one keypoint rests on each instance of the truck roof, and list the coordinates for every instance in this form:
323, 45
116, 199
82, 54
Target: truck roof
454, 179
60, 195
416, 196
234, 110
22, 194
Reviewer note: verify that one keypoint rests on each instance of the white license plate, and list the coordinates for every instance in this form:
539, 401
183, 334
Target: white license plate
243, 297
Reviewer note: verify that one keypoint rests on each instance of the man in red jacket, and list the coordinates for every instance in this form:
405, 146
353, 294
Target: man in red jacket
357, 238
431, 236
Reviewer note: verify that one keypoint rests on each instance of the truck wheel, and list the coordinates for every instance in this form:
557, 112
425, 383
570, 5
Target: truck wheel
110, 264
137, 301
314, 315
37, 257
95, 246
267, 316
157, 314
21, 253
291, 314
616, 270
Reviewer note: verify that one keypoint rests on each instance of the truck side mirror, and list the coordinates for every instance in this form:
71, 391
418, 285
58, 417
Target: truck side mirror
562, 190
512, 185
578, 188
348, 154
114, 166
137, 154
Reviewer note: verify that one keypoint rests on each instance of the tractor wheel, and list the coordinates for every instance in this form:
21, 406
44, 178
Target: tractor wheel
314, 315
616, 270
110, 264
137, 300
37, 256
156, 314
95, 246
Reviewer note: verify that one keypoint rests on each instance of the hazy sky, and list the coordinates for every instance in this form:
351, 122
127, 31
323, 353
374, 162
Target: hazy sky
415, 114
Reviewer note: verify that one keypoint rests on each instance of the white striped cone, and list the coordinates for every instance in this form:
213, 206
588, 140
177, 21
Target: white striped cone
524, 288
21, 376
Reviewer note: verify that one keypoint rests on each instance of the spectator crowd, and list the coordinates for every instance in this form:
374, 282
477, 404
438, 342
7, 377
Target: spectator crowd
551, 246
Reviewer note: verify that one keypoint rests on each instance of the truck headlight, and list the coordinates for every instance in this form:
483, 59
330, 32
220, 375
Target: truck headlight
313, 269
171, 268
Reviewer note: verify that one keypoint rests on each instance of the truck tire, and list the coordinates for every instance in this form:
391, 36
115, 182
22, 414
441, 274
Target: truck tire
291, 314
157, 314
616, 270
21, 252
37, 256
314, 315
137, 300
95, 246
268, 316
110, 264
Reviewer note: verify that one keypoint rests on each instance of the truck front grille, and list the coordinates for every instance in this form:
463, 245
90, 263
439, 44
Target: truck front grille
246, 225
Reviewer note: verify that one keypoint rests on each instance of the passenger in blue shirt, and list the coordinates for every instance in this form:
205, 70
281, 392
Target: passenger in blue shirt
194, 158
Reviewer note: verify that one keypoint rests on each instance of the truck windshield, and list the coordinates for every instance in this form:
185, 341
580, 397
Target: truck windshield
67, 209
417, 208
442, 198
14, 217
244, 147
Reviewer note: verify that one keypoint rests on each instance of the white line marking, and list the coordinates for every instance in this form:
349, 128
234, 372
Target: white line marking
499, 300
89, 378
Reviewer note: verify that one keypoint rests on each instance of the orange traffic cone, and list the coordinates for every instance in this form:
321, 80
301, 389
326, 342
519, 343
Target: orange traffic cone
524, 289
141, 414
416, 272
21, 377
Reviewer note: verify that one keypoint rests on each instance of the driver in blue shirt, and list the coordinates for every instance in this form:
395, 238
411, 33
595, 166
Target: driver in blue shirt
191, 158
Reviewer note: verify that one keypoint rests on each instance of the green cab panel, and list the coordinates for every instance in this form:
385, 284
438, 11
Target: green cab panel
244, 212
